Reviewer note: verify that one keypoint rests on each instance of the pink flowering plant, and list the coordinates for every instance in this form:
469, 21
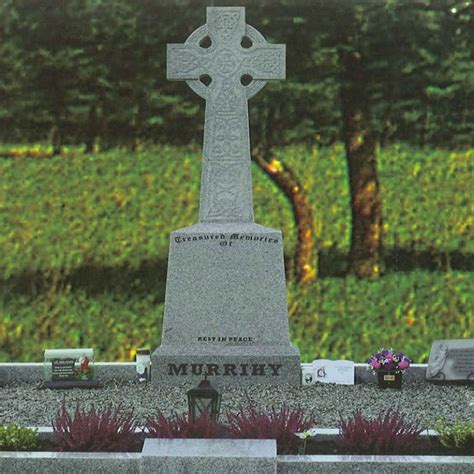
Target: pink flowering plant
387, 359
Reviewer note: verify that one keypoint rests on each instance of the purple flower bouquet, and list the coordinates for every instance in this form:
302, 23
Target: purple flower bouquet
387, 359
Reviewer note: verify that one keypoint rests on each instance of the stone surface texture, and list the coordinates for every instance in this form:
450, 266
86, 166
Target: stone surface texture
145, 463
77, 463
225, 313
169, 456
225, 306
451, 360
375, 464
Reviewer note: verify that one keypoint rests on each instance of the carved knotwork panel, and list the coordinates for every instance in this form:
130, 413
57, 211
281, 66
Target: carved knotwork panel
228, 99
186, 62
266, 62
227, 137
225, 196
226, 25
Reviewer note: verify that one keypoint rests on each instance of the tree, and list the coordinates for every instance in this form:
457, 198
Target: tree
350, 40
50, 34
14, 103
365, 255
271, 113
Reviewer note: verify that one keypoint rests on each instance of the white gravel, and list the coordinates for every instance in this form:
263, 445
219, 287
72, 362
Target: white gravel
26, 405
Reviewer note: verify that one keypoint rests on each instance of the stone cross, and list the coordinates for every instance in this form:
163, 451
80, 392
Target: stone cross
226, 62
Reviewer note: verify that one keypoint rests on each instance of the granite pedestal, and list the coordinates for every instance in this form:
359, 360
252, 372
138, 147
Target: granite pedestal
225, 308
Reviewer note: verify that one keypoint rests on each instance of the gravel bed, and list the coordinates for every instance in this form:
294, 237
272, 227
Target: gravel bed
26, 405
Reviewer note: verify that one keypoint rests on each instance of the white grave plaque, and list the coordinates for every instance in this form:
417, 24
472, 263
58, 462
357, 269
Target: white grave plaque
334, 371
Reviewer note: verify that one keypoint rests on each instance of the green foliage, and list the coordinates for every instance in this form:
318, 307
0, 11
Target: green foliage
93, 71
102, 209
458, 435
114, 323
427, 200
349, 318
84, 242
17, 438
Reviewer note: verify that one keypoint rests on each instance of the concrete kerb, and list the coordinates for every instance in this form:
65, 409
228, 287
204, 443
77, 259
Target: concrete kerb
374, 464
79, 463
167, 456
11, 372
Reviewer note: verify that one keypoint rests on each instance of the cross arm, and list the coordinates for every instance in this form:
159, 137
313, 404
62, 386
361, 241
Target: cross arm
185, 62
266, 62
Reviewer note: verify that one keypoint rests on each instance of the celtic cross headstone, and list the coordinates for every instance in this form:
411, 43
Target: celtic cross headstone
226, 62
225, 306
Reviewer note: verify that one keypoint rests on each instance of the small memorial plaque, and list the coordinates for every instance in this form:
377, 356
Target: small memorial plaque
69, 368
334, 371
63, 369
451, 360
328, 371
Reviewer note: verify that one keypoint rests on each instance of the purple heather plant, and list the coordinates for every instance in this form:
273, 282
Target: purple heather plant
389, 360
110, 430
386, 434
281, 426
159, 426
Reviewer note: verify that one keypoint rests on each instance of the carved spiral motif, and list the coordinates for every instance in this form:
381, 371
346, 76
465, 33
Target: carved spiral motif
199, 34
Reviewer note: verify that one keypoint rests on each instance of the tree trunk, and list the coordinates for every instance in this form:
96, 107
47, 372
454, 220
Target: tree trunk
91, 129
56, 139
365, 256
305, 260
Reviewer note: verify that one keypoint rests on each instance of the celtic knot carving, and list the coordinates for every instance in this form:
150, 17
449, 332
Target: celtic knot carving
225, 24
184, 62
226, 62
227, 137
265, 61
226, 193
227, 100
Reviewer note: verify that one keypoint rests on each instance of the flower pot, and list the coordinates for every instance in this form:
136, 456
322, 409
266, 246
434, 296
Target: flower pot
389, 379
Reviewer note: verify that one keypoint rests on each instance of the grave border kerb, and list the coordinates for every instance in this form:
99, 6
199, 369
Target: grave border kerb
12, 462
125, 372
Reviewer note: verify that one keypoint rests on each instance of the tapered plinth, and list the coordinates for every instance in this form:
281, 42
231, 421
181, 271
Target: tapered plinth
225, 308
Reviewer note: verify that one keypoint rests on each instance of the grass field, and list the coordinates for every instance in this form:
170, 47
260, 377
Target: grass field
84, 241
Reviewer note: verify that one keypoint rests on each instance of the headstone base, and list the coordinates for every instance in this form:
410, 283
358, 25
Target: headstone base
225, 310
230, 366
170, 456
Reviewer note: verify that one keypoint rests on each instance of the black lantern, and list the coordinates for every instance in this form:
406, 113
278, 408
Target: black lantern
204, 399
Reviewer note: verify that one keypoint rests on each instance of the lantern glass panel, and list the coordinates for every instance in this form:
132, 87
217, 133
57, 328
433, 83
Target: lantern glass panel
203, 405
204, 399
